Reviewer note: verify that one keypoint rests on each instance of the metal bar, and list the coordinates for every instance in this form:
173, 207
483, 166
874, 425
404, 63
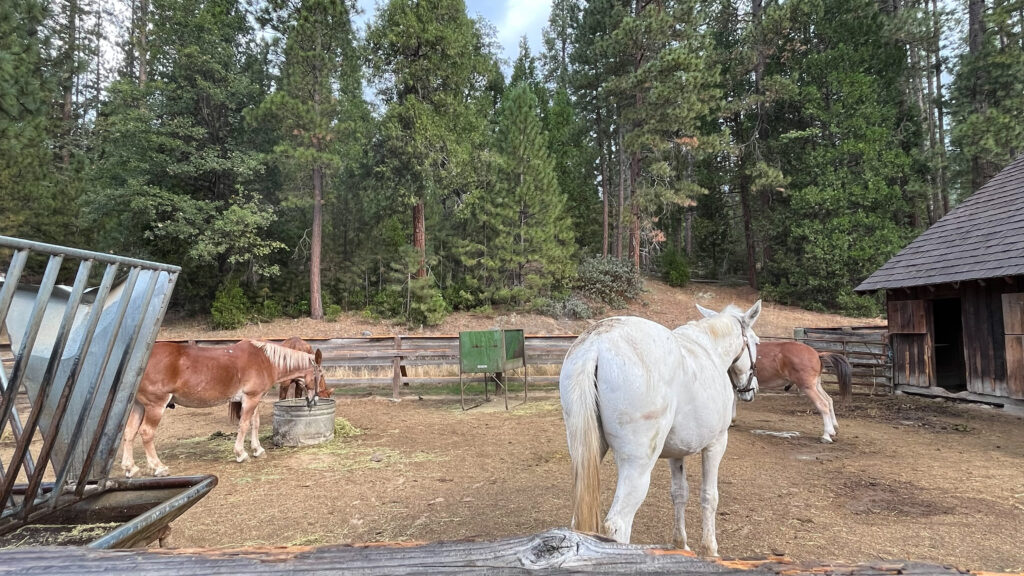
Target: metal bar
19, 244
14, 271
83, 350
74, 301
20, 367
115, 384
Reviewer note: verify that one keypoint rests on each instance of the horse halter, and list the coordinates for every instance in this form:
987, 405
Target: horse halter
747, 387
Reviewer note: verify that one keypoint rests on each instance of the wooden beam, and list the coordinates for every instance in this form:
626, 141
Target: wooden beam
556, 551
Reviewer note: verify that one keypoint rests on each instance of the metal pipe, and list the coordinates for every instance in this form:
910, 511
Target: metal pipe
19, 244
14, 271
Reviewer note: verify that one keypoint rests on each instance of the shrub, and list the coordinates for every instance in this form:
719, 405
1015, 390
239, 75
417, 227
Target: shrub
332, 312
428, 306
674, 268
570, 307
609, 280
230, 307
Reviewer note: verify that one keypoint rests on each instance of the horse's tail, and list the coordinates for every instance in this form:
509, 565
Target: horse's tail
843, 374
235, 411
578, 389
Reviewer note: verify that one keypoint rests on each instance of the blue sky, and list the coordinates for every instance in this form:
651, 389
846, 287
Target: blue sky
511, 18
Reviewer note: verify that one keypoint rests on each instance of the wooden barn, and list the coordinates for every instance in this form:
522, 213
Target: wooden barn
955, 299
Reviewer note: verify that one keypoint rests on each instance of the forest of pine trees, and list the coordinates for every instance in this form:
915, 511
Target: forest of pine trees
295, 164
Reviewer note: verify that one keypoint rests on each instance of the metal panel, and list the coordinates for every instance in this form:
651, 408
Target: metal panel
79, 353
481, 351
515, 350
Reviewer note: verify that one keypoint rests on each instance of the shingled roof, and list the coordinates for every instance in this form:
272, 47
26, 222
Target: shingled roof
982, 238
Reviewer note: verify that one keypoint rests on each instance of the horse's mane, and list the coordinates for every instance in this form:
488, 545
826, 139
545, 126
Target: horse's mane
285, 358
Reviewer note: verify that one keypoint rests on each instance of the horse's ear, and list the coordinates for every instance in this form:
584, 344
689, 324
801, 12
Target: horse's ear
751, 316
318, 357
706, 312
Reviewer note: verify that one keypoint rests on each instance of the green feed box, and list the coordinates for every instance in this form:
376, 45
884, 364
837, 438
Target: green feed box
491, 351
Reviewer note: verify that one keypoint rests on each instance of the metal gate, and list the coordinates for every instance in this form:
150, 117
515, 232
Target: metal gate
78, 353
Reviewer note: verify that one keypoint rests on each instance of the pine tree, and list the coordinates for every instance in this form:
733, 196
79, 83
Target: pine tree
176, 177
317, 107
525, 241
26, 88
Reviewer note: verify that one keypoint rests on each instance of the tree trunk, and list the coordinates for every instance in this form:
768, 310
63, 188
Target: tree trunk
622, 195
634, 209
688, 232
141, 42
604, 186
939, 113
70, 46
316, 305
419, 237
975, 37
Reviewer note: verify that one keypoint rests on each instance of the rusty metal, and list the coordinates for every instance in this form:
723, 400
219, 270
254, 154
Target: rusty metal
79, 353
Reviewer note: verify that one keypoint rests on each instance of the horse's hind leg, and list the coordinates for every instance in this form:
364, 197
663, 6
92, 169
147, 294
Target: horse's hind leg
150, 421
128, 441
254, 434
818, 399
680, 494
249, 405
831, 408
634, 480
710, 458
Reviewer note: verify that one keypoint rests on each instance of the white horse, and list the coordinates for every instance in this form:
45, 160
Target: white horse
646, 392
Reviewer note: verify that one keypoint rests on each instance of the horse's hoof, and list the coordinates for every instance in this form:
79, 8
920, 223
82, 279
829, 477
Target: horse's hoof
259, 452
162, 471
131, 472
826, 440
242, 458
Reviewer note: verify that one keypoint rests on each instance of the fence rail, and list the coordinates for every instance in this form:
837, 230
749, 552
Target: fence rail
391, 356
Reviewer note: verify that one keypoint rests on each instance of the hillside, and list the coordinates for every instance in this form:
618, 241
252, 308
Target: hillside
662, 303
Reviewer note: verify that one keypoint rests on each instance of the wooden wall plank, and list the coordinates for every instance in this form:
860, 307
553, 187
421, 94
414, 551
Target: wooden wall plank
1013, 313
907, 317
1015, 365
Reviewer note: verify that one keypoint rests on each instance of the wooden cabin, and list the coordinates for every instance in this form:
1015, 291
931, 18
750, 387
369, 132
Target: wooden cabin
955, 299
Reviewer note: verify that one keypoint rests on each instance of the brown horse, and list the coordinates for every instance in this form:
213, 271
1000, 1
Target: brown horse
297, 384
788, 363
205, 376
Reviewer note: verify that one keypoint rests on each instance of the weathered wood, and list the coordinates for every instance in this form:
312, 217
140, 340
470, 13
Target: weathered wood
557, 551
907, 317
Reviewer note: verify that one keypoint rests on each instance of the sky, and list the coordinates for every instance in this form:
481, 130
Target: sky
511, 18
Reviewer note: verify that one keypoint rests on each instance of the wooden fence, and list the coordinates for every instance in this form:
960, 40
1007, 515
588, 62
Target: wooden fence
865, 347
386, 359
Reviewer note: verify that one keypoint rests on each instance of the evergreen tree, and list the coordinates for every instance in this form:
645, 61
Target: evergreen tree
525, 241
26, 191
318, 107
436, 74
176, 178
988, 93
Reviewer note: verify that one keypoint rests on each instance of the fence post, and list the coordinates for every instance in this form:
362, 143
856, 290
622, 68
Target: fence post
396, 366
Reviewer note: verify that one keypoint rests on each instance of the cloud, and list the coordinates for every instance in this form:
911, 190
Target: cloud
522, 17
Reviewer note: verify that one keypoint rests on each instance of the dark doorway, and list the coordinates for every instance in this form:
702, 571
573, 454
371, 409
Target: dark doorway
950, 371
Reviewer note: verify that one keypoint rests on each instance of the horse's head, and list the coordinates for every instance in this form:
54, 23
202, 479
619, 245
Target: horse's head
313, 379
743, 367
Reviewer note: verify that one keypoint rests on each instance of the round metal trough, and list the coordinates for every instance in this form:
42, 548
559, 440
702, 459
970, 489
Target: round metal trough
296, 424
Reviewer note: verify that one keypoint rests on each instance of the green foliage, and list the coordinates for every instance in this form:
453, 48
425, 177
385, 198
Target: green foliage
571, 307
609, 280
427, 306
230, 307
674, 267
332, 312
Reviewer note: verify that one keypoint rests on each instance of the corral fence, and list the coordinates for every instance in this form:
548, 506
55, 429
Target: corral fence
383, 361
866, 348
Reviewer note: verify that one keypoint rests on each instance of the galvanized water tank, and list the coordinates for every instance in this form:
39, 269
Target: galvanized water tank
296, 424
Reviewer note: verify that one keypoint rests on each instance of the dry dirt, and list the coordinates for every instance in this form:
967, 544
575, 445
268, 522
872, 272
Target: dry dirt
907, 479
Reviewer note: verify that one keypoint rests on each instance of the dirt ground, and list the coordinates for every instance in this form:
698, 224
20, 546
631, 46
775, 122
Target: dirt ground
908, 478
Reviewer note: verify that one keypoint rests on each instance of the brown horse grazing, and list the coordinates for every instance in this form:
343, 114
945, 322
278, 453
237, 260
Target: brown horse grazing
205, 376
788, 363
297, 384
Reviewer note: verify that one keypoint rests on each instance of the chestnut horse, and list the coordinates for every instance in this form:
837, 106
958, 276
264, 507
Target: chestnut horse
787, 363
297, 384
205, 376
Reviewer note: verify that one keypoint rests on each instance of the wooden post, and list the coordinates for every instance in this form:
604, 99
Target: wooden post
396, 366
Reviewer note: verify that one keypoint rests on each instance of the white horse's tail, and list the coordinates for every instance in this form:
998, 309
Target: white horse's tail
583, 431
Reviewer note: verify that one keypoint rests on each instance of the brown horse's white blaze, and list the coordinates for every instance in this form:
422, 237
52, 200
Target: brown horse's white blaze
786, 363
206, 376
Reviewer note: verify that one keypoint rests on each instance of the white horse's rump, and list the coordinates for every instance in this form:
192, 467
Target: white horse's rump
646, 392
